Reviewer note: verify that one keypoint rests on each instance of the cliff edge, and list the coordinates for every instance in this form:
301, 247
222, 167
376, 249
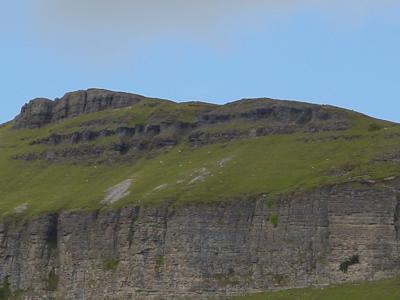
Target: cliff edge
108, 195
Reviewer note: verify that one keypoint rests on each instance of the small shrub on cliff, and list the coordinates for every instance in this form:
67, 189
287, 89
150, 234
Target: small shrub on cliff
5, 291
159, 261
52, 281
280, 279
225, 279
374, 127
270, 203
344, 266
274, 220
110, 264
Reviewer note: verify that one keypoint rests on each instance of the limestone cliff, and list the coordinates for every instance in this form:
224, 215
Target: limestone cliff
207, 124
108, 195
40, 112
205, 251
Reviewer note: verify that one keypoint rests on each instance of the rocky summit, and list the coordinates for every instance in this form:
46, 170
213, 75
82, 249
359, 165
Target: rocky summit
144, 124
110, 195
41, 111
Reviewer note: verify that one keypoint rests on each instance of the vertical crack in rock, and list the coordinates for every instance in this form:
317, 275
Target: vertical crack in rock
67, 107
251, 216
166, 216
116, 227
134, 219
51, 236
85, 101
397, 217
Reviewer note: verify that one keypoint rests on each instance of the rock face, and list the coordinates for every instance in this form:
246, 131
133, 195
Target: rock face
205, 251
334, 234
206, 124
281, 114
40, 112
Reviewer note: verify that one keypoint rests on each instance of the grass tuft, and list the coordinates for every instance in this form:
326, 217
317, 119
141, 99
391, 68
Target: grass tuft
344, 266
274, 220
110, 264
52, 281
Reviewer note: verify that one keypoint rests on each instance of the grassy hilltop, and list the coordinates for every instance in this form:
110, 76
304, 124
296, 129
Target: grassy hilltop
232, 163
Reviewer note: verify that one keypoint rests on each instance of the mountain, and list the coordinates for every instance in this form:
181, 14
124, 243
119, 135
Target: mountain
109, 195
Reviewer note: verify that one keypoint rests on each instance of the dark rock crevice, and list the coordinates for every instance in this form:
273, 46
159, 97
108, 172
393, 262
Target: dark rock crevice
397, 217
51, 234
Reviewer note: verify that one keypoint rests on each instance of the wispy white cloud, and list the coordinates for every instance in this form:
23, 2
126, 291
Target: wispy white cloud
103, 27
164, 14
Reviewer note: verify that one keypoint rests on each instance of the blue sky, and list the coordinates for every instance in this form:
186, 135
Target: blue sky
343, 53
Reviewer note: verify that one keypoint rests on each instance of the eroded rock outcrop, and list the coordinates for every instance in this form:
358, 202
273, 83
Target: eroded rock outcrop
163, 128
40, 112
206, 251
274, 113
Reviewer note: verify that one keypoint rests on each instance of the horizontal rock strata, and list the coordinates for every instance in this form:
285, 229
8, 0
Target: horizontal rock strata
205, 251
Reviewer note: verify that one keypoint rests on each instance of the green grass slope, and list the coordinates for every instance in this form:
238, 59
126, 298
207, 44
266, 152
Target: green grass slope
380, 290
246, 167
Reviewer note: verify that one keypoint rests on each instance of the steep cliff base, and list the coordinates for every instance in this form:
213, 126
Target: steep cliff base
333, 235
388, 289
